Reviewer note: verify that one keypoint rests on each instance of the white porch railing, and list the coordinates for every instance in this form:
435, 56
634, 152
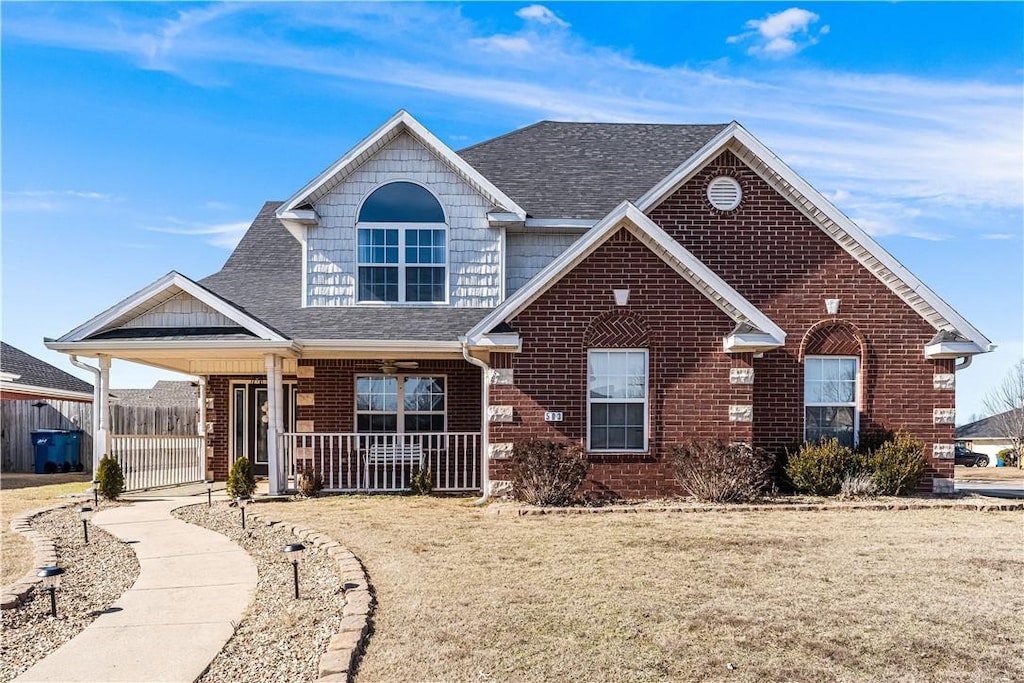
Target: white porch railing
383, 462
152, 461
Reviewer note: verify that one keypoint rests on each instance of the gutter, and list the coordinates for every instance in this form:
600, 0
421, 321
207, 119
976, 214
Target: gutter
485, 393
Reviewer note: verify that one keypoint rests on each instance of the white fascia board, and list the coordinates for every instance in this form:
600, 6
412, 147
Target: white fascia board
172, 279
296, 222
869, 250
93, 347
561, 223
403, 120
499, 341
670, 251
954, 350
501, 219
750, 343
14, 387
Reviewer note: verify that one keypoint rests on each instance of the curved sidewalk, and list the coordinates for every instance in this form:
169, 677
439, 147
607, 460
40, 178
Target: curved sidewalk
193, 586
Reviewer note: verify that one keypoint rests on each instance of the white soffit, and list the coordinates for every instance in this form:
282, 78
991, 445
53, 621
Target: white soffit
158, 292
626, 215
826, 216
400, 123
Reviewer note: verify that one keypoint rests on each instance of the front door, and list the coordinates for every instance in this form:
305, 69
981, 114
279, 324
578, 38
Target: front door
251, 420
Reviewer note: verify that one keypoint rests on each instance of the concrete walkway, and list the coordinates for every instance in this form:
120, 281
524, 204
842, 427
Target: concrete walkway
193, 583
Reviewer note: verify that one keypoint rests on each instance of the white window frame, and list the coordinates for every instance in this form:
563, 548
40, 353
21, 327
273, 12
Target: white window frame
646, 400
855, 404
400, 413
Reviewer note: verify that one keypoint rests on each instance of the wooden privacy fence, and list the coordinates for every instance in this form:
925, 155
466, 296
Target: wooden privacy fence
153, 461
18, 419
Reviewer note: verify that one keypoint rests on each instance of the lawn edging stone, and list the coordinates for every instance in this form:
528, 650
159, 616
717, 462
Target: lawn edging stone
987, 505
339, 662
44, 554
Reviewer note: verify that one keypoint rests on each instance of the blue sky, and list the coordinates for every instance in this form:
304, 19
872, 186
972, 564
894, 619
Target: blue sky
138, 138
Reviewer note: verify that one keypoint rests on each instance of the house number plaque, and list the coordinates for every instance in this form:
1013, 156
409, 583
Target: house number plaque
552, 416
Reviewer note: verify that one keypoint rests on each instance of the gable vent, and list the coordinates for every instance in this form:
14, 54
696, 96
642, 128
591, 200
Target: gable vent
724, 193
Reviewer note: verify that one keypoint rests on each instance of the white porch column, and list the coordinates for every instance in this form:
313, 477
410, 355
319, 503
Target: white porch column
101, 441
274, 421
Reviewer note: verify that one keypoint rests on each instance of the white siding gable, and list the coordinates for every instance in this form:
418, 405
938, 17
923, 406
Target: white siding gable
474, 248
181, 310
528, 253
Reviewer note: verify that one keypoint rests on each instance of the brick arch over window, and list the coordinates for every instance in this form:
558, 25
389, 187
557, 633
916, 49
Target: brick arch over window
617, 330
834, 338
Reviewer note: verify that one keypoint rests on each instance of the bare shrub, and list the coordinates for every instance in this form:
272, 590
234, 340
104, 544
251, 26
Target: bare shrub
716, 472
857, 485
547, 472
311, 482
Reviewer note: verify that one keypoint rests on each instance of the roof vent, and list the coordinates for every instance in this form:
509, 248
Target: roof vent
724, 193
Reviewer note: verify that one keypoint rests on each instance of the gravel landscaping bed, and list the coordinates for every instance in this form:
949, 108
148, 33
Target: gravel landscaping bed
279, 638
96, 574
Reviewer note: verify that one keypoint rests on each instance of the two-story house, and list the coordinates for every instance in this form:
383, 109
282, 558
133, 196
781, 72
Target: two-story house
624, 286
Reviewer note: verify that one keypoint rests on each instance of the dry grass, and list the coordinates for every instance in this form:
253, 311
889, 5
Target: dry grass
1012, 474
914, 595
20, 493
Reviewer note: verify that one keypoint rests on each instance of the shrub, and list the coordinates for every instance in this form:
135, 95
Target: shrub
856, 485
897, 465
716, 472
1008, 456
547, 472
109, 478
820, 468
241, 482
422, 482
310, 482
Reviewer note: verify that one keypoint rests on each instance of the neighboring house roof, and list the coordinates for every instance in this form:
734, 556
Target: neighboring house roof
583, 170
992, 427
163, 394
22, 373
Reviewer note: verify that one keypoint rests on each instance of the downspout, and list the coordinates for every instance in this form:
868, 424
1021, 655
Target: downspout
485, 392
97, 387
963, 366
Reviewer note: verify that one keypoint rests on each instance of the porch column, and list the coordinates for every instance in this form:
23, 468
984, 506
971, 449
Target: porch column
101, 441
274, 393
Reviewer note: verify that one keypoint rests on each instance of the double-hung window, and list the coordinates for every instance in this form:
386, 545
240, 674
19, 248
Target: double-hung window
392, 404
617, 400
830, 399
402, 246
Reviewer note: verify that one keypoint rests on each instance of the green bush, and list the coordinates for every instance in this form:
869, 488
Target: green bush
547, 472
897, 465
109, 478
422, 482
241, 482
1008, 456
820, 468
716, 472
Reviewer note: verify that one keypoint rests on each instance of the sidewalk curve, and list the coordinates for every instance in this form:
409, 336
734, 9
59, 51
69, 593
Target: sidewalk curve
194, 585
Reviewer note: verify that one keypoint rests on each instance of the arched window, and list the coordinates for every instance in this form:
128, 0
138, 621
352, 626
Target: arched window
402, 246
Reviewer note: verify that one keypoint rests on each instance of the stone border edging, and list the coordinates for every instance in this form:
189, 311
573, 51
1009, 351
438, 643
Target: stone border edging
44, 551
524, 511
339, 661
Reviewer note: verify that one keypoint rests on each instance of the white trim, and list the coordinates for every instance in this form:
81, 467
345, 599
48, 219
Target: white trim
830, 219
646, 400
401, 264
101, 346
731, 302
62, 394
399, 411
570, 223
402, 121
171, 280
855, 404
953, 349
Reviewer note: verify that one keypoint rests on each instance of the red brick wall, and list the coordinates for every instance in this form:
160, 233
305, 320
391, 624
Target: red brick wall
689, 389
786, 266
219, 415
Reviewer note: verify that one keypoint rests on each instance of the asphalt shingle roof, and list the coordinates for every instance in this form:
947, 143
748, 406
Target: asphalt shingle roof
985, 428
584, 170
163, 394
38, 373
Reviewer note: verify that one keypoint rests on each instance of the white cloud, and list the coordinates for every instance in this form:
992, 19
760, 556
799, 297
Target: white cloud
781, 34
51, 200
541, 15
223, 235
998, 236
503, 43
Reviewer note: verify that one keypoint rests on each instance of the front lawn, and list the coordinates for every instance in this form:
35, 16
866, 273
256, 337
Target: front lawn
845, 595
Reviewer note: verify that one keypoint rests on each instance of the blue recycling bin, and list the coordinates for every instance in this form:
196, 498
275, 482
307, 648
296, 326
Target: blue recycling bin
57, 450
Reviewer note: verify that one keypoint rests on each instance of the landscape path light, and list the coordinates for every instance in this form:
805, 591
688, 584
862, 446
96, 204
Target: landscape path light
96, 492
242, 502
85, 512
293, 551
51, 581
209, 493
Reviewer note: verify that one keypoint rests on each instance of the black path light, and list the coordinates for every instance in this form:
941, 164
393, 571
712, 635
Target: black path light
85, 512
96, 492
51, 581
242, 502
209, 493
293, 551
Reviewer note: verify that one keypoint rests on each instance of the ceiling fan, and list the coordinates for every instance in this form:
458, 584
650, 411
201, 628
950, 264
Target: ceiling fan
390, 367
